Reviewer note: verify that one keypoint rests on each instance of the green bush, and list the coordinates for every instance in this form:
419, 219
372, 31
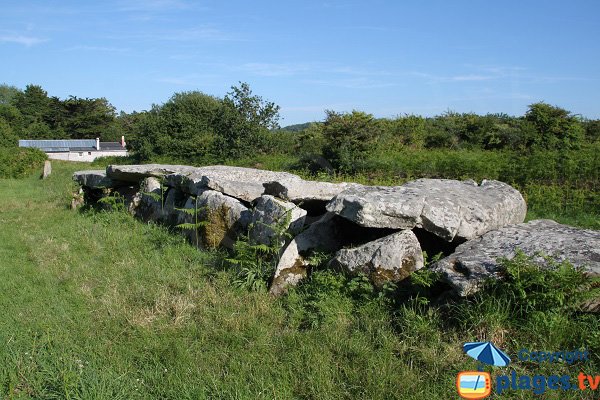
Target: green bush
7, 135
349, 137
534, 301
20, 162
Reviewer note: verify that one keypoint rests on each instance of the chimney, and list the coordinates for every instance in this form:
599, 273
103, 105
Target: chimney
123, 141
97, 143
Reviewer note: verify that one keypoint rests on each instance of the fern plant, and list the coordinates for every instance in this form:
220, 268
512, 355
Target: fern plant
197, 222
255, 263
114, 202
156, 196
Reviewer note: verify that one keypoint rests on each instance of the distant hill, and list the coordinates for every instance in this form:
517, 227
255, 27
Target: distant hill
296, 127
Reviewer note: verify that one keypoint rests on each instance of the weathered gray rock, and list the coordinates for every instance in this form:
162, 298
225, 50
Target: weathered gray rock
212, 220
226, 218
270, 215
150, 185
301, 190
135, 173
477, 260
323, 235
47, 169
93, 179
149, 202
245, 184
77, 199
448, 208
391, 258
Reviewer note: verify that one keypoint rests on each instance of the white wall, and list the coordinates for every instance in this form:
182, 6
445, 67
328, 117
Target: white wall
84, 156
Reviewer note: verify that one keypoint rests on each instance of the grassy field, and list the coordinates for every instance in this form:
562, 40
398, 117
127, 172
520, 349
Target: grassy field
97, 305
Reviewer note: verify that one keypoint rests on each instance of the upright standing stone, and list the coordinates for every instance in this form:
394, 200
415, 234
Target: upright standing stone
271, 217
47, 169
323, 235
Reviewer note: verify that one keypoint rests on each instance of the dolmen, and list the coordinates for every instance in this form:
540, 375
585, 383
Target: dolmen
378, 231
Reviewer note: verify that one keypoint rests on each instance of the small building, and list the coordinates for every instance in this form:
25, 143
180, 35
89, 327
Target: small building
85, 150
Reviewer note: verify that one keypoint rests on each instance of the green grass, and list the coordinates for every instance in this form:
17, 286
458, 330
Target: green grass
97, 305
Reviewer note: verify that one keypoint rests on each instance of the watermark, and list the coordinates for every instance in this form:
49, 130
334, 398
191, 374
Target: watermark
479, 384
473, 385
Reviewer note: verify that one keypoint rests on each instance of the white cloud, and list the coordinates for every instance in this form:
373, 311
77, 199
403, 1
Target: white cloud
99, 48
470, 78
457, 78
269, 69
21, 39
352, 83
194, 34
152, 5
191, 80
197, 34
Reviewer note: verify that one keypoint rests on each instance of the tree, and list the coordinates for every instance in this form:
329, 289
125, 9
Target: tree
253, 108
8, 93
409, 130
181, 129
83, 118
556, 127
7, 135
243, 123
592, 130
349, 138
34, 104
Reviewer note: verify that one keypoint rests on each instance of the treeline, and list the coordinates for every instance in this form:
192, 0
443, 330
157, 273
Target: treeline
32, 114
549, 153
195, 127
348, 139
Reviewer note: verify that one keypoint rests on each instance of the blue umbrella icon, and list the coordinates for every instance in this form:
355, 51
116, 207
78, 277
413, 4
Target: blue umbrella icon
487, 353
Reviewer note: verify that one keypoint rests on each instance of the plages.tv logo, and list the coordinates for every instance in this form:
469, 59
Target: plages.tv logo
478, 384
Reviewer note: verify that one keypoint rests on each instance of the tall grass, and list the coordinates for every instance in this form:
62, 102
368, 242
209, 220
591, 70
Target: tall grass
98, 305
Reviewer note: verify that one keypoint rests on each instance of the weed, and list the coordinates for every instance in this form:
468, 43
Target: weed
255, 263
113, 201
158, 197
194, 213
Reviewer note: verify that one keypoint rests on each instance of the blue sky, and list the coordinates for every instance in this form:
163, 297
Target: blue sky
384, 57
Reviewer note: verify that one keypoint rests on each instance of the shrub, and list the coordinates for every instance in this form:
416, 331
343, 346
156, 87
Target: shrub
7, 135
544, 301
556, 127
349, 138
20, 162
529, 287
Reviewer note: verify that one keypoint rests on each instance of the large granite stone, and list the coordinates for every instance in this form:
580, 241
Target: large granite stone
323, 235
391, 258
245, 184
272, 219
477, 260
150, 203
93, 179
47, 169
301, 190
226, 218
135, 173
448, 208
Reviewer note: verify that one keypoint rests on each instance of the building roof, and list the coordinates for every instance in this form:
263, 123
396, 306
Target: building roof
112, 146
54, 146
